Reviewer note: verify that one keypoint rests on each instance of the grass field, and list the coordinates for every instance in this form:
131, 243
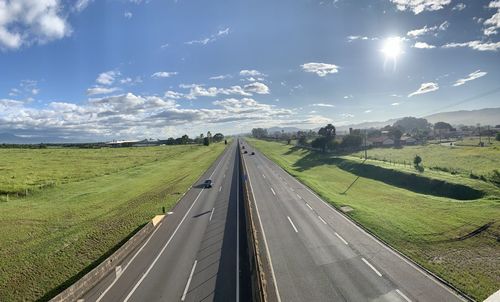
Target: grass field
97, 198
437, 232
460, 159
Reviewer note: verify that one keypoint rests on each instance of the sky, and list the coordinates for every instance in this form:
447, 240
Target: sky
131, 69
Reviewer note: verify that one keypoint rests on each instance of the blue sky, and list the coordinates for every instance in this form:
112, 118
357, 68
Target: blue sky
118, 69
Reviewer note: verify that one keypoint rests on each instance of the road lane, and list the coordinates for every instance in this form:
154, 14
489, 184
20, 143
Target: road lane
337, 259
193, 253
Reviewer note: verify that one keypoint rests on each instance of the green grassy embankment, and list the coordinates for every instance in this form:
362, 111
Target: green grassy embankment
458, 239
96, 200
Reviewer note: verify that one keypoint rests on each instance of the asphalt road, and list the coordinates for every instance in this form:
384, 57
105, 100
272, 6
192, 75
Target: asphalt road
317, 254
196, 253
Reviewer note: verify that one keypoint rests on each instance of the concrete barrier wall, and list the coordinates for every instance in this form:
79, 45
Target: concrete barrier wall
262, 286
93, 277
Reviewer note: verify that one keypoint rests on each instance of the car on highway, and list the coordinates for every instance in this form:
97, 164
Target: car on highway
245, 152
242, 147
208, 183
253, 153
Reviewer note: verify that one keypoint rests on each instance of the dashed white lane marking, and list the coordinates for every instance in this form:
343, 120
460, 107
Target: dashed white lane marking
189, 281
372, 267
340, 237
299, 196
322, 219
211, 214
274, 193
403, 295
309, 206
293, 225
263, 176
220, 188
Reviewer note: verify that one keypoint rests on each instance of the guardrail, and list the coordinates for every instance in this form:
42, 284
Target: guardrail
87, 282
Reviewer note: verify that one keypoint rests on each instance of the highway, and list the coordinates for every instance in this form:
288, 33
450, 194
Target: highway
318, 254
195, 254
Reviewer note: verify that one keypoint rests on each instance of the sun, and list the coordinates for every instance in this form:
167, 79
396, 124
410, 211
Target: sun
392, 48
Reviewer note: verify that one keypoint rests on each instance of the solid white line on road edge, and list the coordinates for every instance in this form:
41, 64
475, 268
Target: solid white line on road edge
372, 267
265, 239
165, 246
293, 225
403, 295
322, 219
299, 196
220, 188
340, 237
211, 214
274, 193
189, 281
309, 206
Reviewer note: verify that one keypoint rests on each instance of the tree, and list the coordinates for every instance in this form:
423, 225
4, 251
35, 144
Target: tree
184, 139
442, 126
395, 133
218, 137
259, 132
351, 141
206, 141
209, 136
412, 124
328, 136
497, 137
302, 141
417, 160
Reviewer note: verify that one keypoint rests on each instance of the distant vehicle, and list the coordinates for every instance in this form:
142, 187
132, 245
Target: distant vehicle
245, 152
242, 147
253, 153
208, 183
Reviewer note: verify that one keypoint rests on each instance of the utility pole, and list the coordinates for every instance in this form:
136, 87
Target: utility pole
489, 142
366, 156
479, 127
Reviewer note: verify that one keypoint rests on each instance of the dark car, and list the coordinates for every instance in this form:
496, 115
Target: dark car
245, 152
208, 183
253, 153
242, 147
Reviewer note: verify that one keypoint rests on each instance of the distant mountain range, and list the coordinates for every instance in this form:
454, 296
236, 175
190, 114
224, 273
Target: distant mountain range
486, 116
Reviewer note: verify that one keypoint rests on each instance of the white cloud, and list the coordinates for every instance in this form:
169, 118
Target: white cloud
395, 104
321, 69
169, 94
418, 6
476, 45
346, 115
23, 22
472, 76
323, 105
163, 74
257, 87
101, 90
460, 6
200, 91
108, 77
128, 15
80, 5
423, 45
425, 88
368, 111
428, 30
221, 77
250, 73
212, 38
492, 23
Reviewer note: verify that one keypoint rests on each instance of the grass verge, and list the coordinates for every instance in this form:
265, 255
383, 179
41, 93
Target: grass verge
55, 235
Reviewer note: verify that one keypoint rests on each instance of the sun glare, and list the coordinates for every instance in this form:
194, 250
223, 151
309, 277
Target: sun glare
392, 48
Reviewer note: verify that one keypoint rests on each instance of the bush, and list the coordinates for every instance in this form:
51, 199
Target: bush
497, 137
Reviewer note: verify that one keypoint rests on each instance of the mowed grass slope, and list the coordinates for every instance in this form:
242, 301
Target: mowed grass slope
462, 159
52, 237
427, 228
